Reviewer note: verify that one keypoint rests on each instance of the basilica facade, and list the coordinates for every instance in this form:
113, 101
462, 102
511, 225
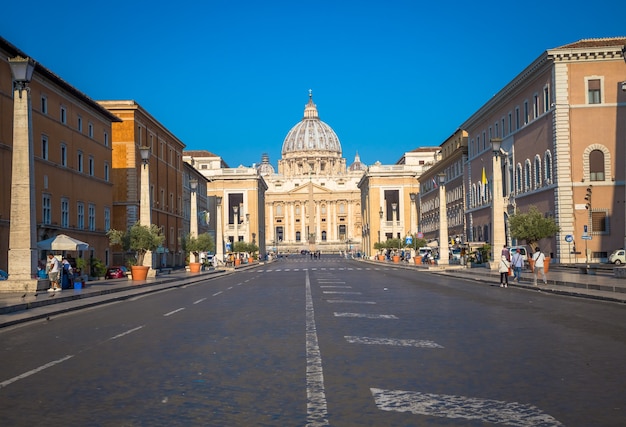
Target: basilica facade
313, 201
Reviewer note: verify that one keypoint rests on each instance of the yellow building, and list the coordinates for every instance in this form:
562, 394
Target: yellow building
563, 130
72, 146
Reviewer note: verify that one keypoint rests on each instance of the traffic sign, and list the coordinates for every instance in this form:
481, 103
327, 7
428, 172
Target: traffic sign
586, 237
408, 240
569, 238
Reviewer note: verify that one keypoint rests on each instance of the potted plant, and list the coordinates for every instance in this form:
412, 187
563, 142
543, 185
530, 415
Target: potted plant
203, 243
417, 243
238, 248
531, 227
98, 268
140, 239
252, 249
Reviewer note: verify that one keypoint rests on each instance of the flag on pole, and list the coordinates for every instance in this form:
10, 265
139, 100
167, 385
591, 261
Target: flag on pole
434, 182
484, 178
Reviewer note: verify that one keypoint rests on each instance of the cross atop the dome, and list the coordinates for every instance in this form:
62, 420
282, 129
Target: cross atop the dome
310, 93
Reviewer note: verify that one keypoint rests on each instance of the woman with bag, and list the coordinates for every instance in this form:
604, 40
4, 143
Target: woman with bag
504, 272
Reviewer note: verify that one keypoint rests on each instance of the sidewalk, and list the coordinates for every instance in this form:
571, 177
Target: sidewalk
19, 308
563, 281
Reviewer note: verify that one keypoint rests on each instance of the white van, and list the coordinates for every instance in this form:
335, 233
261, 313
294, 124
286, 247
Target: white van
618, 257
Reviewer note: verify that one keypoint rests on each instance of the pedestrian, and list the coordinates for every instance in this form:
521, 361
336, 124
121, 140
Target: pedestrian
504, 272
506, 253
539, 257
517, 260
53, 269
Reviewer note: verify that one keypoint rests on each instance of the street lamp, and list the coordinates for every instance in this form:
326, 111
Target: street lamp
380, 223
145, 208
219, 240
22, 256
248, 226
497, 205
193, 224
443, 221
236, 212
394, 206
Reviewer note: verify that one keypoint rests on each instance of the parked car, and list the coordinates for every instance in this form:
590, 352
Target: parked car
455, 254
523, 250
117, 272
618, 257
4, 275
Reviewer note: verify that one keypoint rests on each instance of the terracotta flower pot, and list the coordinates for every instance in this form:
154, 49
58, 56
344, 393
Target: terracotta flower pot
396, 258
194, 267
139, 272
381, 257
418, 260
237, 261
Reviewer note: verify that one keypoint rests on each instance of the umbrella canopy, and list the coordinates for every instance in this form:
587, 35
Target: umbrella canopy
62, 242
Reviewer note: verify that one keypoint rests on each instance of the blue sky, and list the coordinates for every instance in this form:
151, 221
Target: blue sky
232, 77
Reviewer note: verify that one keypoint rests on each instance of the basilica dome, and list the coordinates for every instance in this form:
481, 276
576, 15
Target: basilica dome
311, 135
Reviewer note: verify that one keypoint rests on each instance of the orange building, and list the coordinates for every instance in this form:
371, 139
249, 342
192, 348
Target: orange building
138, 128
72, 160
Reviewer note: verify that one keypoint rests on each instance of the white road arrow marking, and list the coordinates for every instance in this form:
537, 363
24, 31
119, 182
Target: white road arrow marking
449, 406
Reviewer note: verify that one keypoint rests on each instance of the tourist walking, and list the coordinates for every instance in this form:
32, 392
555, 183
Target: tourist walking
539, 258
504, 272
54, 270
517, 261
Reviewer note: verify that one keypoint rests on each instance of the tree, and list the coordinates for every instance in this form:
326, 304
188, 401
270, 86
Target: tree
203, 243
138, 238
532, 226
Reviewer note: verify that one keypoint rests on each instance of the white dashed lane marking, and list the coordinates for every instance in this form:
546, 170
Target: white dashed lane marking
346, 301
470, 408
366, 316
392, 342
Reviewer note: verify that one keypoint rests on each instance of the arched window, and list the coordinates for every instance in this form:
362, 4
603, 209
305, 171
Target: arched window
547, 163
298, 236
596, 165
527, 175
537, 171
323, 236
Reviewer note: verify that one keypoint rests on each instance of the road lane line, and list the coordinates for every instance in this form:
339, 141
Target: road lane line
347, 301
199, 301
317, 409
449, 406
341, 292
130, 331
175, 311
217, 293
34, 371
366, 316
392, 341
335, 287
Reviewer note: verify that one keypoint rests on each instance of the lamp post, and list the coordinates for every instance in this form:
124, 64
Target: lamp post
394, 207
22, 256
193, 224
248, 227
236, 237
497, 205
145, 207
380, 224
219, 239
443, 221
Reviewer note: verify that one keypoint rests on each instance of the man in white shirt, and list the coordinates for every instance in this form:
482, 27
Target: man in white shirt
53, 273
539, 258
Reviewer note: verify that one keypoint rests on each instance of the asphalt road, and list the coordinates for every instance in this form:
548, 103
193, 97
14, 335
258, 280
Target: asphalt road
321, 342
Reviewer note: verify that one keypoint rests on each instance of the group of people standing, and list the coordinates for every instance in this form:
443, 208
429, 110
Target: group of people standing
515, 263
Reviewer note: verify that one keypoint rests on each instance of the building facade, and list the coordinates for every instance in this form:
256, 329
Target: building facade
137, 128
562, 123
452, 161
72, 150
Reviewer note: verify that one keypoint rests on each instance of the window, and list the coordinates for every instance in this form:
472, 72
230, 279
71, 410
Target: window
546, 99
298, 236
46, 204
44, 104
106, 139
107, 219
535, 106
79, 161
596, 165
517, 125
106, 172
80, 216
44, 147
593, 91
599, 222
79, 124
91, 166
526, 114
510, 122
527, 176
92, 216
537, 170
63, 115
90, 130
547, 160
64, 155
324, 236
65, 213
